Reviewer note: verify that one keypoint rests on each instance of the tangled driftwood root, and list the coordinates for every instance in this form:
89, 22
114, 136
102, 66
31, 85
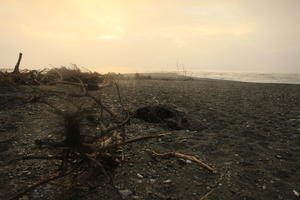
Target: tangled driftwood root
94, 160
80, 159
98, 156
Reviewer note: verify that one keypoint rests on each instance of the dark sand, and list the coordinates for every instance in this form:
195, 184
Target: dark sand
250, 131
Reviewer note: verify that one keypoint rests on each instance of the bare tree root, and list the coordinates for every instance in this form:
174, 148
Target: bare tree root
99, 156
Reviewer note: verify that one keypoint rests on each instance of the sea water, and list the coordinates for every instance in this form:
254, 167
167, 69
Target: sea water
251, 77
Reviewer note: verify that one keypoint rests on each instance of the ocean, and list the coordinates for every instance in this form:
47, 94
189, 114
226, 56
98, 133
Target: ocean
251, 77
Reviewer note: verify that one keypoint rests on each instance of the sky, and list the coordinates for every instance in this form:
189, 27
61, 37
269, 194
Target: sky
152, 35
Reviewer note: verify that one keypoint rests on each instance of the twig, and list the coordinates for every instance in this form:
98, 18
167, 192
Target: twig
99, 102
209, 192
35, 158
191, 158
65, 83
56, 110
83, 87
113, 127
131, 141
41, 182
206, 194
40, 158
119, 96
196, 160
98, 164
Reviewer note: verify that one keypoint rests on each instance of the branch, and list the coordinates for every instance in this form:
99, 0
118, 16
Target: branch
209, 192
40, 158
41, 182
16, 70
113, 127
191, 158
131, 141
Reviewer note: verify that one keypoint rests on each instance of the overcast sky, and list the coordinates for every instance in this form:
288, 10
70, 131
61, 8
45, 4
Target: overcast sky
151, 35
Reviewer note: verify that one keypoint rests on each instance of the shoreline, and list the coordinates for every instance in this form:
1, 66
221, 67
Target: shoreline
284, 78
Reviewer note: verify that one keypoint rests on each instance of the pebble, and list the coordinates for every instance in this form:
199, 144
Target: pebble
152, 180
188, 161
296, 193
167, 181
139, 175
125, 193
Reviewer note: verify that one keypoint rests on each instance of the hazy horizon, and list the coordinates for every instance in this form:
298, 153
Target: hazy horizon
152, 36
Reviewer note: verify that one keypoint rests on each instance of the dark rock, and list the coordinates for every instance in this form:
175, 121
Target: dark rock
167, 114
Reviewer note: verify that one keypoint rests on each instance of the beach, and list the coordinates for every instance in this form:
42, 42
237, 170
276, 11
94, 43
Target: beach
249, 131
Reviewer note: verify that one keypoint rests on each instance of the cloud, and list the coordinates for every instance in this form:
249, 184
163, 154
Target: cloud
109, 37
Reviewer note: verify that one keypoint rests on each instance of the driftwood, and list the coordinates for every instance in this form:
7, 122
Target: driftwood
62, 75
17, 67
191, 158
197, 161
100, 154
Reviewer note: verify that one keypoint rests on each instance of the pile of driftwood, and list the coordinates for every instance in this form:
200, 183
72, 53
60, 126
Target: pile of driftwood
49, 76
97, 153
75, 104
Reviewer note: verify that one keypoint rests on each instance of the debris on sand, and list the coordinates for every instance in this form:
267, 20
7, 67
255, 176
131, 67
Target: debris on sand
167, 114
